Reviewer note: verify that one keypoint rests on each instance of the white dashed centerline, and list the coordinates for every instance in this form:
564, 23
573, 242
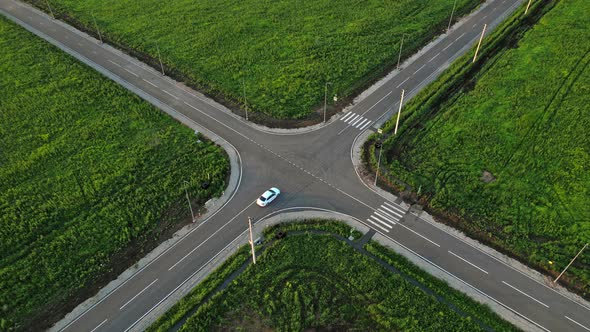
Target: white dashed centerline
468, 262
133, 298
130, 72
99, 325
434, 57
168, 93
407, 78
419, 69
113, 62
148, 82
580, 325
525, 294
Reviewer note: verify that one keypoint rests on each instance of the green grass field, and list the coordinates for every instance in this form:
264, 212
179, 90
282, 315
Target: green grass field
90, 177
525, 121
280, 52
317, 282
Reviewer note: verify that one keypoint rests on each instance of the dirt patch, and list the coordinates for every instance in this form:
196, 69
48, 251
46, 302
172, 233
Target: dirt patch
244, 319
487, 177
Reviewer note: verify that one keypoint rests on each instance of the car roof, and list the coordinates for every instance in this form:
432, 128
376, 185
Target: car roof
268, 193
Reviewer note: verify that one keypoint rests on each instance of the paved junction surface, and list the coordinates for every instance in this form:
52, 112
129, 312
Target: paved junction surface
313, 170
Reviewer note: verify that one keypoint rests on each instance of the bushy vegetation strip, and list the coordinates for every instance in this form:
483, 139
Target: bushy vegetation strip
498, 147
273, 57
91, 178
313, 278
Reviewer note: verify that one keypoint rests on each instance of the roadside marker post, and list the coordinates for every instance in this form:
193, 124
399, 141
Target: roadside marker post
400, 51
452, 12
160, 59
573, 259
399, 112
527, 7
251, 241
97, 29
189, 200
50, 10
479, 43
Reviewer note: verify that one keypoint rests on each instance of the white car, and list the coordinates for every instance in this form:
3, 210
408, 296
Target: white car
268, 197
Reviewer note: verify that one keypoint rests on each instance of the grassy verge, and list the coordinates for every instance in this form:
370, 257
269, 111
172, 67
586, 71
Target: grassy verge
91, 177
275, 57
315, 281
497, 148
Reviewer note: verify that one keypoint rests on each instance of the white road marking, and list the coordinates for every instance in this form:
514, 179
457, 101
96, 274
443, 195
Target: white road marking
362, 123
168, 93
468, 262
370, 108
377, 225
356, 121
99, 325
419, 69
346, 116
363, 127
394, 212
352, 118
385, 216
394, 207
150, 83
94, 52
483, 18
207, 239
463, 34
194, 273
580, 325
130, 72
434, 57
525, 294
407, 78
474, 25
382, 220
449, 45
133, 298
116, 64
420, 235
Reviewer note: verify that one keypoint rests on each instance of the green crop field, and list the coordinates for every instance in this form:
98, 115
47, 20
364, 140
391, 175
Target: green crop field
90, 177
280, 53
310, 281
525, 124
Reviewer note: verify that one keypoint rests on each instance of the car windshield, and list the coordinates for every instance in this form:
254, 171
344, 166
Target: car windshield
262, 198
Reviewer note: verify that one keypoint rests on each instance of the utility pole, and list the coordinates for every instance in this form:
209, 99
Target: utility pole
399, 112
251, 241
378, 163
325, 98
97, 29
50, 10
160, 59
527, 7
400, 50
452, 12
189, 200
479, 43
245, 102
573, 259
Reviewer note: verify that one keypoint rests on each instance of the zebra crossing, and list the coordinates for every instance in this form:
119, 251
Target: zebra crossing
386, 216
356, 120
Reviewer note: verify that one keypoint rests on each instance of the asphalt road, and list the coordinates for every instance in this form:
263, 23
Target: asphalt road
312, 169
